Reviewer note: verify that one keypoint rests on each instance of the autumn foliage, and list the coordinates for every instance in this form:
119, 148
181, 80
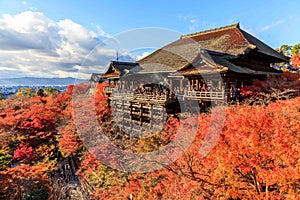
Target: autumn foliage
27, 182
274, 88
28, 131
256, 155
295, 60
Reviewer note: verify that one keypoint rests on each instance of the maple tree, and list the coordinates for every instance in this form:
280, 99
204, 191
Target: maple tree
256, 155
33, 123
24, 152
272, 89
28, 128
295, 60
25, 182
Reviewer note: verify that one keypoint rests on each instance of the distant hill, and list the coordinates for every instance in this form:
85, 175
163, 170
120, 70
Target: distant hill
30, 81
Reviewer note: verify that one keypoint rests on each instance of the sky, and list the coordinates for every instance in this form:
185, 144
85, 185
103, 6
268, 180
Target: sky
64, 38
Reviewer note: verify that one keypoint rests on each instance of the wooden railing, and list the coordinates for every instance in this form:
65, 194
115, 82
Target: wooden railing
148, 97
190, 94
205, 95
129, 95
108, 89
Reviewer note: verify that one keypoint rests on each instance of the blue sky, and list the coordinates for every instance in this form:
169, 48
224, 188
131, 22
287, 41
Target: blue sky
53, 37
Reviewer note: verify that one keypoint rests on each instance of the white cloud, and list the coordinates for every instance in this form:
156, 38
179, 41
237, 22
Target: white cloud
195, 23
143, 55
32, 8
34, 45
269, 26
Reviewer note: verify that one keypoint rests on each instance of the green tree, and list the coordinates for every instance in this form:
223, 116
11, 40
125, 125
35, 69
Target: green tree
40, 93
50, 91
36, 194
295, 49
286, 49
5, 159
28, 92
2, 96
289, 50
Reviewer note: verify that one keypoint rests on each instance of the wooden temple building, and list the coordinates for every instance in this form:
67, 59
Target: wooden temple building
206, 67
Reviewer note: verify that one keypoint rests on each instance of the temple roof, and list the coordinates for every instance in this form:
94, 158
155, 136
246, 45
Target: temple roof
229, 40
96, 77
117, 69
232, 40
212, 62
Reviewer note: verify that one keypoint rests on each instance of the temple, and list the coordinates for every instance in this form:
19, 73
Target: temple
208, 67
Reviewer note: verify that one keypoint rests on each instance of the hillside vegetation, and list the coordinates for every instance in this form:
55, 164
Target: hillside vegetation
256, 155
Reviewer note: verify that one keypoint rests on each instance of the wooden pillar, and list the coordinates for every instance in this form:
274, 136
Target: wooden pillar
141, 114
123, 113
171, 85
220, 85
151, 116
180, 85
197, 84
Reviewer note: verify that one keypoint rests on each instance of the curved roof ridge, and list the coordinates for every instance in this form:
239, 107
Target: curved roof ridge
237, 25
123, 62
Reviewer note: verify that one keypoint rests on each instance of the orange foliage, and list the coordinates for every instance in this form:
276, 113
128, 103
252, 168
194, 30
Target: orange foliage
21, 180
256, 157
295, 60
274, 88
24, 152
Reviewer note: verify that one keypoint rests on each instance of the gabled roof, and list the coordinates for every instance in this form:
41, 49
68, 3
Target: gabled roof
226, 39
96, 77
211, 62
171, 58
233, 40
229, 40
222, 60
117, 68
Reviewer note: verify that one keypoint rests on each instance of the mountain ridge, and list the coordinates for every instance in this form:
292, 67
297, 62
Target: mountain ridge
28, 81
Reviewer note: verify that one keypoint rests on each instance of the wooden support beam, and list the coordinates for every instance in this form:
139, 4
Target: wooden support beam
141, 114
171, 84
151, 116
123, 113
180, 85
